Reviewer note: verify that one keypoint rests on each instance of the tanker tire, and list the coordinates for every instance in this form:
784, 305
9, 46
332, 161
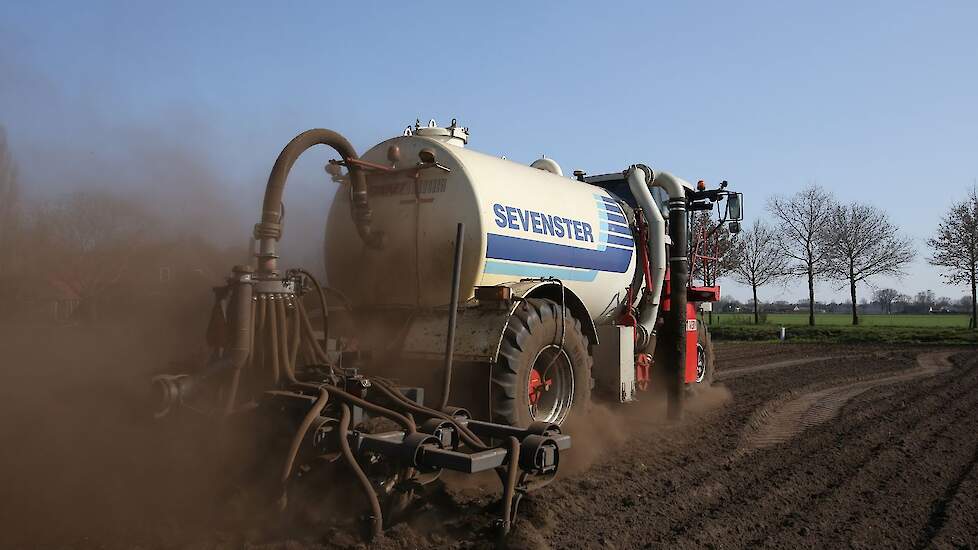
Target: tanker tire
533, 331
705, 346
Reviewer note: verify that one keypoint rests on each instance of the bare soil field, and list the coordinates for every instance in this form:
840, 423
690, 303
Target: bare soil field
795, 446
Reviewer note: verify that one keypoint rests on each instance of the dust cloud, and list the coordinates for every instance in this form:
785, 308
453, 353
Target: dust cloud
114, 235
605, 428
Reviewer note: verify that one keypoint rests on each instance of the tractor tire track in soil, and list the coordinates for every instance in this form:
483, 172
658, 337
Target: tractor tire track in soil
733, 373
884, 456
785, 419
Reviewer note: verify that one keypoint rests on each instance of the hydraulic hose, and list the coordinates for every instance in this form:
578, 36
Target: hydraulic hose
269, 230
377, 518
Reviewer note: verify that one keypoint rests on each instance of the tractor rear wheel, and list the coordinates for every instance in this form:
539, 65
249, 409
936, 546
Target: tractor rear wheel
543, 373
704, 357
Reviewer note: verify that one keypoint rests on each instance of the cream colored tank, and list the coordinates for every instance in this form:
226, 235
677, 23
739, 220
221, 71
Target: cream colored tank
520, 222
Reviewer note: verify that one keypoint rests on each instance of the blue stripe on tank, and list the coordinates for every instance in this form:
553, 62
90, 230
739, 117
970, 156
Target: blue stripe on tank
495, 267
504, 247
615, 239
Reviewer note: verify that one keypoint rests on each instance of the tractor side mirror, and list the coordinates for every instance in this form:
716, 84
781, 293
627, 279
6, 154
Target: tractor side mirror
735, 208
733, 227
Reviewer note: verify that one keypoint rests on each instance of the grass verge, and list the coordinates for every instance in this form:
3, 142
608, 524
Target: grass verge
841, 334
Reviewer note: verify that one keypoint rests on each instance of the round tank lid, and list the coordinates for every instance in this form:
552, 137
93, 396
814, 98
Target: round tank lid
454, 134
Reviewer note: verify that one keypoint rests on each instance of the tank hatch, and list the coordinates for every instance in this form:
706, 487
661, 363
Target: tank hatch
453, 135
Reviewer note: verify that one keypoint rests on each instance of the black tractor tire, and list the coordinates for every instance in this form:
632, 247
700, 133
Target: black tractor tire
532, 341
704, 354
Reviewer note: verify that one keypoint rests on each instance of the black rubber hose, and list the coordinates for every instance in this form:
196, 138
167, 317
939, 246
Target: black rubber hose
377, 521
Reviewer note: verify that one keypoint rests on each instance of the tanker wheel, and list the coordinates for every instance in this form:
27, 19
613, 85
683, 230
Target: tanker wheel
704, 356
536, 379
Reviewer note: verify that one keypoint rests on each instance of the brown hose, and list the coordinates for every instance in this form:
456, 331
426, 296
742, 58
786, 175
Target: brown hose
260, 336
311, 337
464, 432
296, 336
269, 230
322, 301
377, 520
300, 434
402, 420
509, 490
273, 338
283, 336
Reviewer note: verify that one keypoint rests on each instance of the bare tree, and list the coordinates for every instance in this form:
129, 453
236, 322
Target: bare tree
865, 244
86, 240
801, 234
761, 261
955, 246
885, 297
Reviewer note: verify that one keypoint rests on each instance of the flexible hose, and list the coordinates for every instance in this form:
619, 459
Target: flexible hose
310, 336
322, 301
273, 339
283, 334
269, 230
509, 490
296, 334
471, 438
377, 520
402, 420
300, 434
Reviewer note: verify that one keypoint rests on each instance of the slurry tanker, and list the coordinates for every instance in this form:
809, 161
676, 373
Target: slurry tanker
472, 305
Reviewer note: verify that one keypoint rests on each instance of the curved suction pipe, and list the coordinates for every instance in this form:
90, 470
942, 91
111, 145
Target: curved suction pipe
269, 230
639, 177
674, 186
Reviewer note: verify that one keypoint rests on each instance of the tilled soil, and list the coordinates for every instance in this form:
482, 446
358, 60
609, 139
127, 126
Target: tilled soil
794, 446
813, 447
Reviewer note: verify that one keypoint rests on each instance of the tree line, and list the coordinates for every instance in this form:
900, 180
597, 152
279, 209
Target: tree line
82, 251
814, 237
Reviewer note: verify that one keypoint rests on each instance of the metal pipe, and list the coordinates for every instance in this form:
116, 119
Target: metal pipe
242, 323
452, 315
679, 277
639, 178
269, 230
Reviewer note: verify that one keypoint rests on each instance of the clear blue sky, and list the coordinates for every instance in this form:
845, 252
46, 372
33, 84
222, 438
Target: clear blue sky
876, 101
